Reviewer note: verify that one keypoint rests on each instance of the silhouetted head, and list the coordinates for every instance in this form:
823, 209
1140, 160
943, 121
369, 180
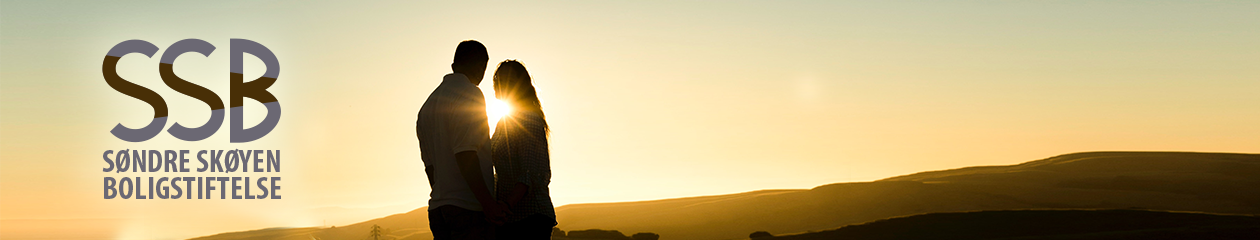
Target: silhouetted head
470, 59
512, 84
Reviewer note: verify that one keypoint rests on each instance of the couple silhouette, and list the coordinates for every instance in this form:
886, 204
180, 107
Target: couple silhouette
485, 187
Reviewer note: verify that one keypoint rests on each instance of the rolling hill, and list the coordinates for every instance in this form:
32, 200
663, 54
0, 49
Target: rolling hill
1169, 181
1049, 224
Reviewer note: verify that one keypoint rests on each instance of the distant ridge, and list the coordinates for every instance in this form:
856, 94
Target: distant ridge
1134, 161
1049, 224
1222, 183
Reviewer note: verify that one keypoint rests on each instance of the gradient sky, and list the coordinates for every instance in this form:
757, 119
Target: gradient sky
645, 100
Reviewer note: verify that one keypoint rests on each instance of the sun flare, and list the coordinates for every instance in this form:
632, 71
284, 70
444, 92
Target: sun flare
496, 109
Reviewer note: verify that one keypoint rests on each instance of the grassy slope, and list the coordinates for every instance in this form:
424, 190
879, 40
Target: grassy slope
1206, 182
1049, 224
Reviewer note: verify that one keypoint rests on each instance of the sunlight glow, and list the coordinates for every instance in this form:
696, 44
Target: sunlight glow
496, 109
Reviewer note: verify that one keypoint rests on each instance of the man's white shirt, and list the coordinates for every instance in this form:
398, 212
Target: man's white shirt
452, 120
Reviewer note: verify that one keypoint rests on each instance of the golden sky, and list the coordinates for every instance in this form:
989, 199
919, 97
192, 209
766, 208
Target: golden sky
645, 100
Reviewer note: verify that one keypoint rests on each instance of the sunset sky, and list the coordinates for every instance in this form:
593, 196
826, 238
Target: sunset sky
645, 100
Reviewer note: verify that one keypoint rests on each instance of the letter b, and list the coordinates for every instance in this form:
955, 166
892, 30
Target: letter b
256, 89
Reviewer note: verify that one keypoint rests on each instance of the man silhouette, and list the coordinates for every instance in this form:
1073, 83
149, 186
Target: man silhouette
454, 145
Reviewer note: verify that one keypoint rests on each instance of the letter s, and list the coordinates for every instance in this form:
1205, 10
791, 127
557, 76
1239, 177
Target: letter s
136, 91
166, 69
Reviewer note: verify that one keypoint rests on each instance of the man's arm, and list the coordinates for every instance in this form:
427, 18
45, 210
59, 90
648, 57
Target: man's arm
470, 168
471, 133
428, 171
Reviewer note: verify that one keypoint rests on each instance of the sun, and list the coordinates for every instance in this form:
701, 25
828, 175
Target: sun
496, 109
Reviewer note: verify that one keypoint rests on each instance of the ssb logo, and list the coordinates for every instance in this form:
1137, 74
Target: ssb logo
256, 89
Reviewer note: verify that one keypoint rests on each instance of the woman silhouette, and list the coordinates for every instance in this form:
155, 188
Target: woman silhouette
521, 159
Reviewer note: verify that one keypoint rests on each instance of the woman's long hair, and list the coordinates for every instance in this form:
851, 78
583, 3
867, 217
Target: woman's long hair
513, 85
